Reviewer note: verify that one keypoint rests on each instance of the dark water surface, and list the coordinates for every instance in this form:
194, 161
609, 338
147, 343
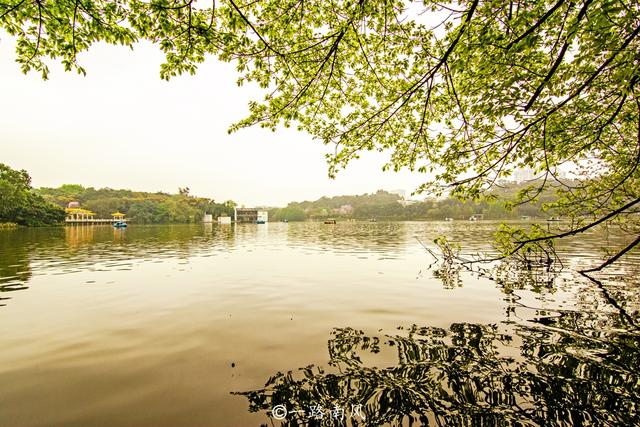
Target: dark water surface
217, 325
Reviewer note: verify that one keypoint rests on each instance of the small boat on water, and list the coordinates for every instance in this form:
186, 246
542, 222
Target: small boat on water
330, 221
554, 219
448, 219
373, 220
261, 221
119, 224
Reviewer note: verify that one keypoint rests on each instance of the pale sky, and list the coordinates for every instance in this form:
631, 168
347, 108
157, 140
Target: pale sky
121, 126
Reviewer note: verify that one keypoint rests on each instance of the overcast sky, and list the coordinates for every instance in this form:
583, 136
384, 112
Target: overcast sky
123, 127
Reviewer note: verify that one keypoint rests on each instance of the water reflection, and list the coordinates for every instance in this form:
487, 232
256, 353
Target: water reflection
543, 364
156, 325
470, 374
63, 250
15, 268
346, 237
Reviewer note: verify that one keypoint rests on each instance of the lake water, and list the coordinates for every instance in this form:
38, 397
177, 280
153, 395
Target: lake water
344, 324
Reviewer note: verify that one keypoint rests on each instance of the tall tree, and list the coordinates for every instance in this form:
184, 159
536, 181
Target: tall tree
20, 205
466, 91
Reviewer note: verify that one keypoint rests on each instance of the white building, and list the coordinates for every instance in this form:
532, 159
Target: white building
263, 216
406, 203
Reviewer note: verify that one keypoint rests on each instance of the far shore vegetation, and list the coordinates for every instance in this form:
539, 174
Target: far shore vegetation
20, 204
139, 207
384, 205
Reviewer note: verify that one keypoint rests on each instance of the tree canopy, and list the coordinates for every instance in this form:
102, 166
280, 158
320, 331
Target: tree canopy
465, 92
139, 206
383, 205
20, 205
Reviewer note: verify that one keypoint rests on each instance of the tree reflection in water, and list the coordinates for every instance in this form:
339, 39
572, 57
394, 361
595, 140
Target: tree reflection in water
471, 374
15, 268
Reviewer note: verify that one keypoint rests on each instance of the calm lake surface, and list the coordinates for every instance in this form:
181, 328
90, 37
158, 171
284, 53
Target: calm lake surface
217, 325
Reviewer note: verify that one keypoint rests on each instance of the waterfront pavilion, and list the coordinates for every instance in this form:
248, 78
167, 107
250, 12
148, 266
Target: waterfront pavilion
117, 216
79, 214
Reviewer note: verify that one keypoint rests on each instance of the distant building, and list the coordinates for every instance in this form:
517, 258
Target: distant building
250, 215
263, 217
245, 215
73, 205
79, 215
523, 174
208, 218
406, 203
118, 216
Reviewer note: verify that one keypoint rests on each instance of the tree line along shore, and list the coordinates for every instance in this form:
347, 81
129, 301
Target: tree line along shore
23, 205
